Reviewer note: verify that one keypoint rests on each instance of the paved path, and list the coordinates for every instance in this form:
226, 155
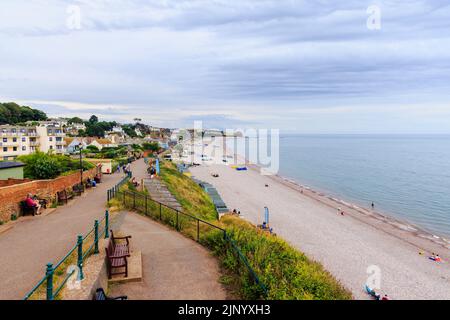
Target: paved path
33, 242
173, 267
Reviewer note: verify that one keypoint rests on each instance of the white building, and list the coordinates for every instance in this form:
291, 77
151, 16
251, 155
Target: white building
23, 140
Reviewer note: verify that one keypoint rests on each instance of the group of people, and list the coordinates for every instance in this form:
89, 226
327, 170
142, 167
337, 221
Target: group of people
91, 182
134, 182
151, 171
376, 295
32, 202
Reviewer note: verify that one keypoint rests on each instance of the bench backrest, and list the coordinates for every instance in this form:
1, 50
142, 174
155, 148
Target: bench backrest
62, 194
110, 249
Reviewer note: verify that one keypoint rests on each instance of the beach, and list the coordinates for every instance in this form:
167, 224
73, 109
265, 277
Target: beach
346, 245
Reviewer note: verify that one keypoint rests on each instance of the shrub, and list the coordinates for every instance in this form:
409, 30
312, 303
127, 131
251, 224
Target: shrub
286, 272
40, 165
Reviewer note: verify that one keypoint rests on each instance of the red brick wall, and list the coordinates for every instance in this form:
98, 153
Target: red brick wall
11, 196
12, 181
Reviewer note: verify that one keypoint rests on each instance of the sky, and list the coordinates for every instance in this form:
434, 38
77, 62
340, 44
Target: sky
323, 66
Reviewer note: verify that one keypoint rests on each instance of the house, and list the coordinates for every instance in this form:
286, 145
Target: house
74, 143
11, 170
16, 140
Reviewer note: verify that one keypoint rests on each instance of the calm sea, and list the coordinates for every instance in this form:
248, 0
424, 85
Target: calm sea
406, 176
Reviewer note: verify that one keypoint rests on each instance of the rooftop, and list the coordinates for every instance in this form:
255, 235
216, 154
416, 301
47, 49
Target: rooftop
9, 164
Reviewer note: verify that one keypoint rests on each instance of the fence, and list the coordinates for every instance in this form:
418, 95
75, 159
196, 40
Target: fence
191, 226
113, 191
59, 274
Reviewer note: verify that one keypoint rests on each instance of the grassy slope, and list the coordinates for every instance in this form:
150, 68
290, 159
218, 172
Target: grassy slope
191, 197
286, 272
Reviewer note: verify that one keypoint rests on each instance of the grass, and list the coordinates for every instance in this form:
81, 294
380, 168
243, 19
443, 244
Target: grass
190, 195
286, 272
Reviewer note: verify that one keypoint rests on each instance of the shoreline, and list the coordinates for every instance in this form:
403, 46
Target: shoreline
325, 198
397, 223
345, 245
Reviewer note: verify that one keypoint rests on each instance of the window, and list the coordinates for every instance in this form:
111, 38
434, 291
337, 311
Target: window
14, 148
58, 139
50, 139
24, 139
5, 139
51, 147
24, 148
14, 139
5, 149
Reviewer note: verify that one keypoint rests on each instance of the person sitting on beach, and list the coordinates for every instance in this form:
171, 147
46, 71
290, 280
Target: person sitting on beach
31, 203
435, 257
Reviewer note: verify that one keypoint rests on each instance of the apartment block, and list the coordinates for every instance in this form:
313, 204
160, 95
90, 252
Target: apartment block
22, 140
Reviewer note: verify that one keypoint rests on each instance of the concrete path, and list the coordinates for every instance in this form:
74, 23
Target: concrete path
173, 267
33, 242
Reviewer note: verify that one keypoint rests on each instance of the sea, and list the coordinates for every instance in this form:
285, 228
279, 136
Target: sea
407, 177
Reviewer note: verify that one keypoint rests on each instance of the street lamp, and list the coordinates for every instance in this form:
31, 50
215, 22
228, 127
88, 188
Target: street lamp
80, 146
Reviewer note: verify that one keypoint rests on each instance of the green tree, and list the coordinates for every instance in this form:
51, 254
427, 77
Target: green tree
75, 120
12, 113
93, 119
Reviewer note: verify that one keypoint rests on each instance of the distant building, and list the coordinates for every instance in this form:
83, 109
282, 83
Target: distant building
117, 129
11, 170
73, 143
74, 128
23, 140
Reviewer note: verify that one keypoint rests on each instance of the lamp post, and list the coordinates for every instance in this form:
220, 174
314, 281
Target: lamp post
80, 146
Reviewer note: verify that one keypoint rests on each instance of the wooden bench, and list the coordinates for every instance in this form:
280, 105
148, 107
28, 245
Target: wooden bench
100, 295
27, 209
64, 196
120, 247
117, 254
77, 189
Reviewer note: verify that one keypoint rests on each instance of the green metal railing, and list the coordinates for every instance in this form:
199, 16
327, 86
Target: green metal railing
189, 225
54, 280
111, 193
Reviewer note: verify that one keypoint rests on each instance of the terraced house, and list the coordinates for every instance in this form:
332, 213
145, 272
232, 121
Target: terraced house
22, 140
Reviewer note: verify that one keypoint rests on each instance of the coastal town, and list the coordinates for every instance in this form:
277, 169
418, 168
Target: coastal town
224, 159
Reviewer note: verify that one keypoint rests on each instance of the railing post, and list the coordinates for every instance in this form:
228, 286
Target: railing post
177, 221
134, 200
96, 237
80, 256
198, 230
106, 224
109, 195
160, 211
49, 274
146, 208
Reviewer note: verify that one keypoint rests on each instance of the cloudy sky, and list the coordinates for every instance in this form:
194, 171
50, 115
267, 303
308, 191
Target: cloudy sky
302, 65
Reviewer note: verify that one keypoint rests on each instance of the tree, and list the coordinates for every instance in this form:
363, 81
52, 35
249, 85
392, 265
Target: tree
12, 113
150, 146
93, 119
75, 120
95, 130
